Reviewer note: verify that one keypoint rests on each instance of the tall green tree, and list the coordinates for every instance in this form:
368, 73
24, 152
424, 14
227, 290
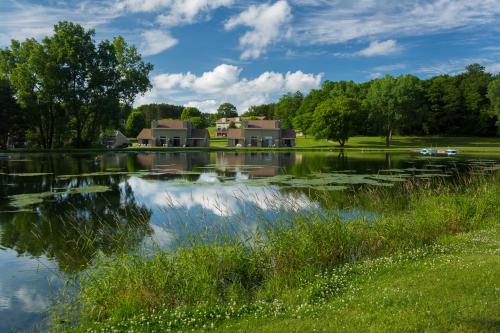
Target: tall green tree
190, 112
227, 110
389, 100
475, 112
494, 97
136, 121
69, 80
333, 119
10, 114
286, 108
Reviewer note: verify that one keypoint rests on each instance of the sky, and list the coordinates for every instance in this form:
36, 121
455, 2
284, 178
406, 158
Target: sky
206, 52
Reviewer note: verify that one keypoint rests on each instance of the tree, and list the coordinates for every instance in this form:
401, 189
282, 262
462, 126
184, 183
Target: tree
198, 122
389, 99
68, 80
190, 112
264, 110
333, 119
227, 110
10, 114
136, 121
286, 108
494, 97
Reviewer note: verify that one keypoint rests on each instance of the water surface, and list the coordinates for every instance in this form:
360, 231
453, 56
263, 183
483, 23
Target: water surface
58, 210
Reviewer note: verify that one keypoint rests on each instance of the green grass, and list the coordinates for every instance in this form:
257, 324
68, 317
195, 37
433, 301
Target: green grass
454, 291
315, 272
405, 143
359, 143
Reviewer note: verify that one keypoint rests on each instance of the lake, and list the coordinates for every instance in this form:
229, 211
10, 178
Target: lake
58, 210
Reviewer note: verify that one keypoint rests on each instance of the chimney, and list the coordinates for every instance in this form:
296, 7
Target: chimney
154, 124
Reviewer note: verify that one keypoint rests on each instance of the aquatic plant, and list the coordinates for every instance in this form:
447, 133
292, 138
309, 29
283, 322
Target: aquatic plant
287, 268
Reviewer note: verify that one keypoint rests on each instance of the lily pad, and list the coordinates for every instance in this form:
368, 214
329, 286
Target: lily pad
30, 199
31, 174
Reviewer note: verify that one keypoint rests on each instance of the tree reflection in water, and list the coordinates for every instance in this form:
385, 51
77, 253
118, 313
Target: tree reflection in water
72, 229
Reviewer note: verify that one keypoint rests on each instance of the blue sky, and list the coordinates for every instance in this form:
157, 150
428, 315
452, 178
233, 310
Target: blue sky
206, 52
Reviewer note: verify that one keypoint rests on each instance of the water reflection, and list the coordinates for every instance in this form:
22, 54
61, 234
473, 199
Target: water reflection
165, 197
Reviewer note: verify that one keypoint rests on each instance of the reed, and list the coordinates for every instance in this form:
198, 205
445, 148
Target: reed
282, 266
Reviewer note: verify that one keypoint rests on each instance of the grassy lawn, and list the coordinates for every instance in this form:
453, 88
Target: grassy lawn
406, 143
453, 292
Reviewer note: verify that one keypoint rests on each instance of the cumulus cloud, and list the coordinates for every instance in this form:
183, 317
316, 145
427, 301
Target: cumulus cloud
224, 83
377, 48
267, 24
156, 41
207, 106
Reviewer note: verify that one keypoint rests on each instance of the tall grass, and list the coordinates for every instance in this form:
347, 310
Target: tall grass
204, 282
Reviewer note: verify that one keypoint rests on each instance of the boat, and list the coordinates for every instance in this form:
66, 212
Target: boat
451, 152
428, 151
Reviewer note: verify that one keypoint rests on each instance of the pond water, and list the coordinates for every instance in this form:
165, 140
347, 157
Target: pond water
58, 210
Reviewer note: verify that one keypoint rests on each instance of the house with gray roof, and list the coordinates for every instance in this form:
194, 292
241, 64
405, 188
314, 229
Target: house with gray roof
173, 133
261, 133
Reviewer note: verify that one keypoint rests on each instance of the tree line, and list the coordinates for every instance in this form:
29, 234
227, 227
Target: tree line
466, 104
67, 88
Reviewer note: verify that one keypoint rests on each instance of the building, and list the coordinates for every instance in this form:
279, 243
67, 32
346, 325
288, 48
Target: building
260, 133
173, 133
222, 125
115, 139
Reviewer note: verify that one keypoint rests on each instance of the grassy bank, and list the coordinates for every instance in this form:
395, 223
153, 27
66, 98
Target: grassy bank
315, 272
359, 143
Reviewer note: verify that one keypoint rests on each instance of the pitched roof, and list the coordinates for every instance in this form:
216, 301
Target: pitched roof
146, 134
234, 133
265, 124
288, 134
172, 123
199, 133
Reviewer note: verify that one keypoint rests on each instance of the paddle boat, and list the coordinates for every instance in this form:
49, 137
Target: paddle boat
428, 151
451, 152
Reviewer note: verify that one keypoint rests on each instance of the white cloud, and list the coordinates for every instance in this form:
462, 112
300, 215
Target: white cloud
224, 83
207, 106
174, 12
20, 20
156, 41
377, 48
339, 21
267, 25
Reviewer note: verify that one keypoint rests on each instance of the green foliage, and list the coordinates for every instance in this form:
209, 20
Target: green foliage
391, 100
494, 97
160, 111
304, 262
333, 119
265, 110
287, 107
136, 121
442, 105
190, 112
198, 122
69, 81
11, 115
227, 110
